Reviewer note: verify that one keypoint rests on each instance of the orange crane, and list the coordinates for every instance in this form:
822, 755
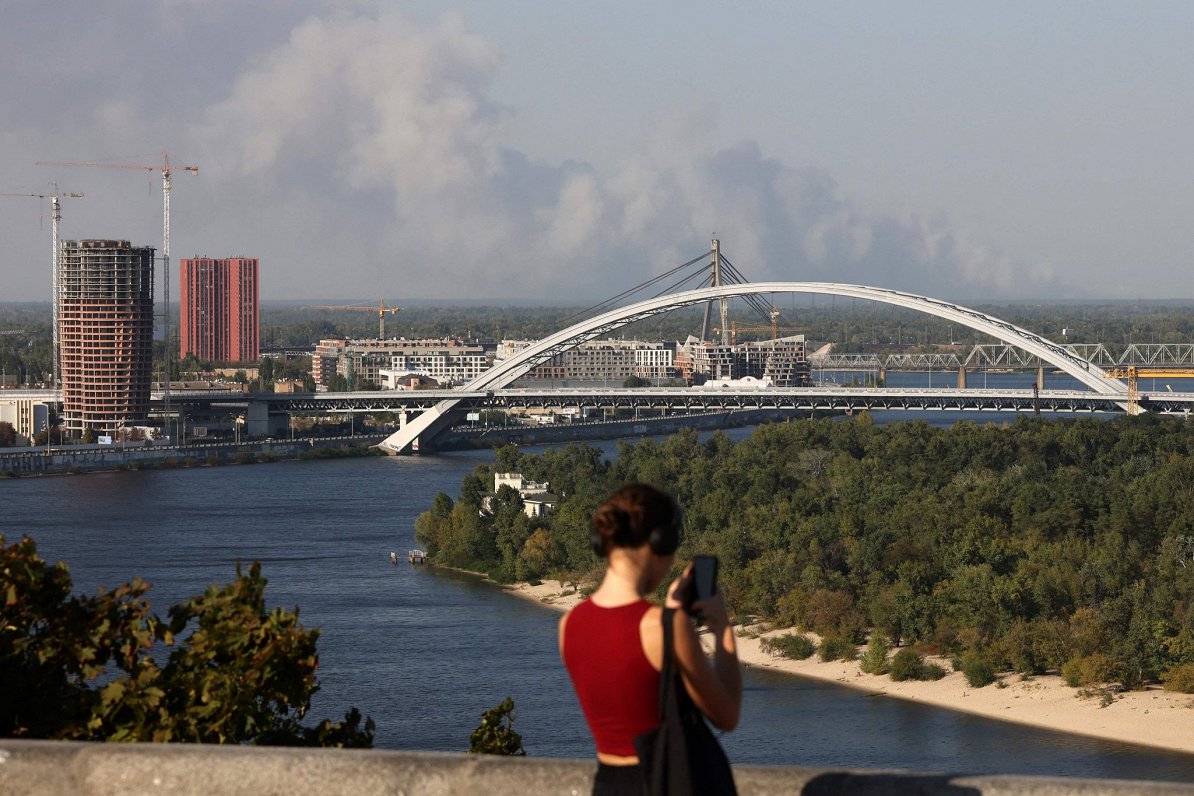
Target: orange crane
381, 309
55, 217
1134, 373
167, 170
773, 328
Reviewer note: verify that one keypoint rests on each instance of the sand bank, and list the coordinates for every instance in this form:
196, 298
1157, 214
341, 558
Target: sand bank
1153, 717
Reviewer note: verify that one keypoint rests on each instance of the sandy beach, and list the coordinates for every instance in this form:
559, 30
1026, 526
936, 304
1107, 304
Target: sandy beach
1154, 717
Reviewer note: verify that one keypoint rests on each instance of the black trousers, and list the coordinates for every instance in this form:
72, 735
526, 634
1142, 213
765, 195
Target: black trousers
619, 781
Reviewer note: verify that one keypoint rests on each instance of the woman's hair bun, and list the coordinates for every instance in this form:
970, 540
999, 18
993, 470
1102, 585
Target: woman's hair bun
627, 516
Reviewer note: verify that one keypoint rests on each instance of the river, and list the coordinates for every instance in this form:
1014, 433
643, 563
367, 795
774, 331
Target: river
424, 651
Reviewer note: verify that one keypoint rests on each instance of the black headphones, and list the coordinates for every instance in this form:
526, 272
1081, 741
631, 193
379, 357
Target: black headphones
663, 539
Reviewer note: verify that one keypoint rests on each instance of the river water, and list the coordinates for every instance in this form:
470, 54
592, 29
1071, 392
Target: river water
425, 651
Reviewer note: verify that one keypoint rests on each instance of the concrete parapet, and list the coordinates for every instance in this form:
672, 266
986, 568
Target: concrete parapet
42, 768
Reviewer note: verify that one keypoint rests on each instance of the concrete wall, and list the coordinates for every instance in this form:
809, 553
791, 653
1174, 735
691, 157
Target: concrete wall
144, 455
42, 768
462, 439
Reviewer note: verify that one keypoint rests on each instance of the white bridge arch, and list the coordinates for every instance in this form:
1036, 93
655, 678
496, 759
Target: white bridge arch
433, 420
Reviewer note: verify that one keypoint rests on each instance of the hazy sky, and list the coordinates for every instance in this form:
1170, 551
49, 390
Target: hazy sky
567, 150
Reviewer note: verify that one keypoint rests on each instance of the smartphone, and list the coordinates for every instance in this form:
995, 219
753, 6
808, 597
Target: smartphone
704, 578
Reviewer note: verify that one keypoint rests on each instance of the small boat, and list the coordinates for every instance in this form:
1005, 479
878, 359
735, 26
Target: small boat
393, 558
416, 556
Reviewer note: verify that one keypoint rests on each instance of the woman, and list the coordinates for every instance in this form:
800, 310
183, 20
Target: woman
612, 643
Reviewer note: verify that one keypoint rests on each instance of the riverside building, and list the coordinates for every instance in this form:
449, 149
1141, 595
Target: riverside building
600, 360
219, 303
447, 361
105, 332
782, 361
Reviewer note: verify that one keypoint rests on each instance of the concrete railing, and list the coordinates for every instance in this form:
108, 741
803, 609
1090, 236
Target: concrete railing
54, 768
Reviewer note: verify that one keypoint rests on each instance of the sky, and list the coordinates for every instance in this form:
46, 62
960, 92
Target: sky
564, 151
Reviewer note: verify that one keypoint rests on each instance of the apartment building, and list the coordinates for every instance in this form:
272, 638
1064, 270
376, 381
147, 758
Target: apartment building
782, 361
445, 360
600, 360
219, 305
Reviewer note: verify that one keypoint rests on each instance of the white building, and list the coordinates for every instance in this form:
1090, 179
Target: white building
599, 360
27, 410
446, 360
537, 501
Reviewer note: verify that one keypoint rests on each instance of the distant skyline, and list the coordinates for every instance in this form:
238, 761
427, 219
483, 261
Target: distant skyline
556, 152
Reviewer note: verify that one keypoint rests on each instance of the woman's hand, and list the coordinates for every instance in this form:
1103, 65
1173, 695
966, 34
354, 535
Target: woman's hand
712, 611
679, 587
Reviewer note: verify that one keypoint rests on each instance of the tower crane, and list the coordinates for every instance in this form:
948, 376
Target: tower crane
167, 170
381, 309
773, 328
55, 217
1134, 373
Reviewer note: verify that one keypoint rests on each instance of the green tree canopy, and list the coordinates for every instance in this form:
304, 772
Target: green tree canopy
78, 667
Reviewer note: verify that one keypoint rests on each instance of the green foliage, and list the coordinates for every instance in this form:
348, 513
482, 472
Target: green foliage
977, 669
1088, 670
8, 435
837, 648
1033, 541
874, 660
1179, 678
908, 664
495, 735
789, 645
78, 667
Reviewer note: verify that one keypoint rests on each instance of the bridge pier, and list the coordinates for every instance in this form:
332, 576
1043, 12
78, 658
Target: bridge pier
1040, 377
962, 378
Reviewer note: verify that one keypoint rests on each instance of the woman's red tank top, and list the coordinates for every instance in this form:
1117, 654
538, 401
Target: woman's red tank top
616, 684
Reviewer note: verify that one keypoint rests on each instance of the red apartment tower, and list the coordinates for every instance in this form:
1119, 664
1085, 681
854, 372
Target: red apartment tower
219, 309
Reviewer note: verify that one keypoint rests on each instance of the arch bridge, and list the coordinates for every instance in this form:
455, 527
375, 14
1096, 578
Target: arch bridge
435, 419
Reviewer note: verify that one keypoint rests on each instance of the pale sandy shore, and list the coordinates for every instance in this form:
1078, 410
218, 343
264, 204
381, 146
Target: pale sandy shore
1153, 717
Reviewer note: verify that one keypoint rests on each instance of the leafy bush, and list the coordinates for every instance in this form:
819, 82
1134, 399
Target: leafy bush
495, 734
837, 648
908, 664
1180, 679
1088, 670
1071, 672
977, 668
790, 645
874, 660
931, 671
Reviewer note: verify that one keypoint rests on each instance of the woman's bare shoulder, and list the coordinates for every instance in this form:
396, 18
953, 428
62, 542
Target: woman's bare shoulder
650, 632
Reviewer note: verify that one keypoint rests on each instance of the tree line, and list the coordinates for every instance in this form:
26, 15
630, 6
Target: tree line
1040, 545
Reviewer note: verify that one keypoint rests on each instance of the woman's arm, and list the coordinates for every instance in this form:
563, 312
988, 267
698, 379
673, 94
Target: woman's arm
714, 685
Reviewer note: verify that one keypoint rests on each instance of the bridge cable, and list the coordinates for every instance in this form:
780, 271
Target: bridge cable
610, 301
762, 308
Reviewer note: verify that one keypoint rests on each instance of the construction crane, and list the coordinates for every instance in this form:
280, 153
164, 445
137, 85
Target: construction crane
381, 309
1133, 374
167, 170
55, 217
773, 328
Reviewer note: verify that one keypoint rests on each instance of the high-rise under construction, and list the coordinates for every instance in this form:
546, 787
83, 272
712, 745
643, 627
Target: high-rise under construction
105, 332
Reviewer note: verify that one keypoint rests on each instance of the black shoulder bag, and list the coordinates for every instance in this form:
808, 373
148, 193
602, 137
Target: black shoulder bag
681, 756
